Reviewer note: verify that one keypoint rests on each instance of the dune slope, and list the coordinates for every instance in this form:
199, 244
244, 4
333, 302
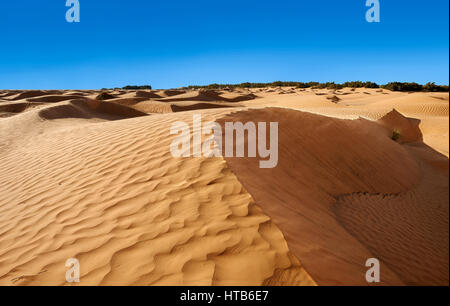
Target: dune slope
110, 194
344, 192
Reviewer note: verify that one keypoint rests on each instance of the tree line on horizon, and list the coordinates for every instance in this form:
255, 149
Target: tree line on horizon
131, 87
393, 86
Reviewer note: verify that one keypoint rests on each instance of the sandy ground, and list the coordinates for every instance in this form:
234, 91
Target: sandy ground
95, 180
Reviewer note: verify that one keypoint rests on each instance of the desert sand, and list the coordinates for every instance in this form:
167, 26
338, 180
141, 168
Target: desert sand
95, 180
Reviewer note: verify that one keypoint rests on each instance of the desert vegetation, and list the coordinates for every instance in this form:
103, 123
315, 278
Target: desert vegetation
398, 86
395, 135
393, 86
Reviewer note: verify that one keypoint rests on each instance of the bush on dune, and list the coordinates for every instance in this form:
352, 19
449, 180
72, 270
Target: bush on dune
395, 135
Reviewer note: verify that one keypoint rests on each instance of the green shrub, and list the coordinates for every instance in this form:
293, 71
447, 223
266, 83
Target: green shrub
395, 135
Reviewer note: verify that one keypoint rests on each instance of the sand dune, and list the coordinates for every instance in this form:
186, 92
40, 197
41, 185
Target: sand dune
323, 160
210, 95
17, 107
95, 180
83, 108
430, 108
35, 93
149, 102
53, 98
111, 195
170, 93
147, 94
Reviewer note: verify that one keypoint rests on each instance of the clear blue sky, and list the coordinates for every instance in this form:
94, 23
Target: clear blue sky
171, 43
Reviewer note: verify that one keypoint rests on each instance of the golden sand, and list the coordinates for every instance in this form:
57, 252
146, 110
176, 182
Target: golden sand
95, 180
